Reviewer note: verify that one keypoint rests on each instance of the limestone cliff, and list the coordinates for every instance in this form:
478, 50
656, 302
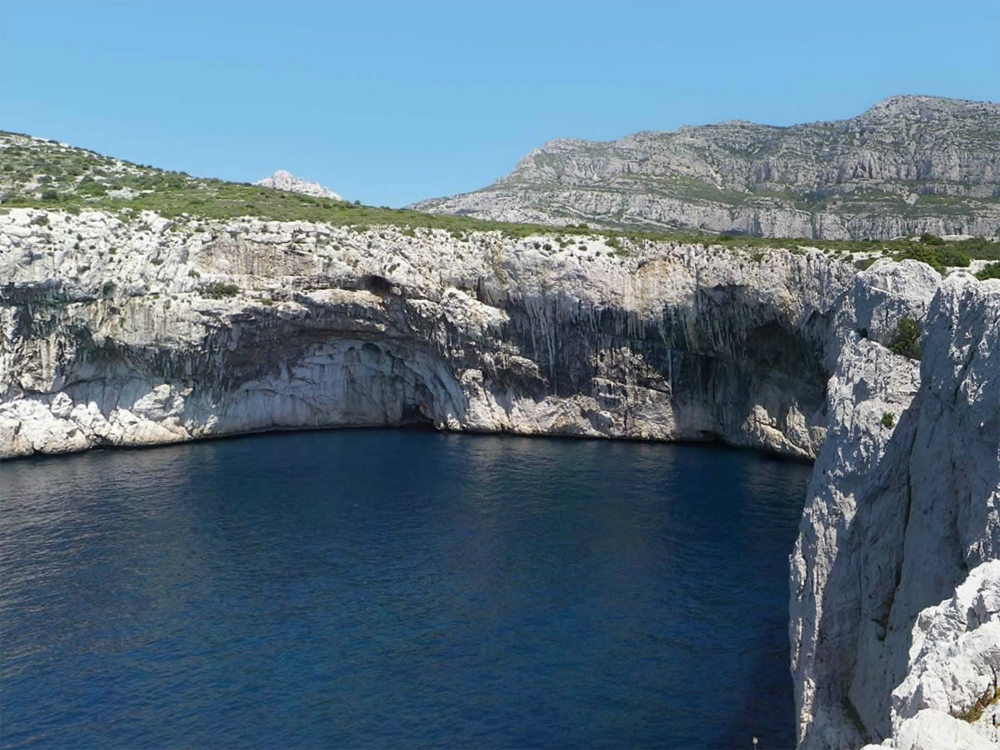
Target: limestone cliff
908, 165
156, 331
284, 180
896, 517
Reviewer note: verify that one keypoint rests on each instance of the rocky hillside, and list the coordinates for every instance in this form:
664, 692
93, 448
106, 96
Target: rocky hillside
908, 165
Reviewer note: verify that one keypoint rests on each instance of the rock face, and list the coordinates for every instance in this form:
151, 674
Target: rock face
895, 520
910, 164
201, 329
954, 659
282, 180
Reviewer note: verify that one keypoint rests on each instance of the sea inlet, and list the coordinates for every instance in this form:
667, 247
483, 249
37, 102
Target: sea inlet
380, 588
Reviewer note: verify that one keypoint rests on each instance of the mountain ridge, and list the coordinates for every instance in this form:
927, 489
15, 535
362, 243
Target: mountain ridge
907, 165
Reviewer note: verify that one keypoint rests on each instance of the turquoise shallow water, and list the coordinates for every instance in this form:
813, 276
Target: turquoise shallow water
397, 589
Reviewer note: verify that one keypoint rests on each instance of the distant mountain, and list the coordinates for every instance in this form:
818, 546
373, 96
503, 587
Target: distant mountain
908, 165
282, 180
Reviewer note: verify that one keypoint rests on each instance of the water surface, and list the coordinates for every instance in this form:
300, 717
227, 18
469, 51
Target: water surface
372, 589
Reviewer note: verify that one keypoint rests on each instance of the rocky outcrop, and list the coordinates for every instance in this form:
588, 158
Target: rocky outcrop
896, 518
953, 668
157, 331
282, 180
909, 165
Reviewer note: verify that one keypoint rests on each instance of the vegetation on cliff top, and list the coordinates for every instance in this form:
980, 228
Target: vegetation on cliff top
991, 271
45, 174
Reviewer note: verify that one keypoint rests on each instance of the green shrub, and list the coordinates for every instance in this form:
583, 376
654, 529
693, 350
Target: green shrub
931, 239
108, 289
992, 271
952, 256
906, 338
50, 195
91, 189
888, 419
219, 291
920, 252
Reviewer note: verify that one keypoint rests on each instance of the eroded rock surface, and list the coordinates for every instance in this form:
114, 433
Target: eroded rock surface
283, 180
896, 517
155, 331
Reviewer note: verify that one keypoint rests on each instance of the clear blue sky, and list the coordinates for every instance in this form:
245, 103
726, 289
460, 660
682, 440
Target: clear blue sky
393, 102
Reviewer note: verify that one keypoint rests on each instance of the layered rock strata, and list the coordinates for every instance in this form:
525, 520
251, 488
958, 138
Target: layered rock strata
908, 165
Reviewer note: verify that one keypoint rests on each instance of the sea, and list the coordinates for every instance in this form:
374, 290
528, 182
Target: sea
397, 589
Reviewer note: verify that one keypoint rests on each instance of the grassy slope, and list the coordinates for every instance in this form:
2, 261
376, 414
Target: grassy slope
44, 174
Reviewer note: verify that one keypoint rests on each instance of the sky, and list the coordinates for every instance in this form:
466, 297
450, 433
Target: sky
390, 103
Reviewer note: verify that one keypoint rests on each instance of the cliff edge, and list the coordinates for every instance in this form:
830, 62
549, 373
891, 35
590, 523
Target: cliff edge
154, 330
894, 587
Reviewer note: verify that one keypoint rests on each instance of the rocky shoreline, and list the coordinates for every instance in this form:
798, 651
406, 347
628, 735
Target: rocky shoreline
150, 331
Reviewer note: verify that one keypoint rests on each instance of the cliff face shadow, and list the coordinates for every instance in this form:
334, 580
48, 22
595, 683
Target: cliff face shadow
865, 574
880, 577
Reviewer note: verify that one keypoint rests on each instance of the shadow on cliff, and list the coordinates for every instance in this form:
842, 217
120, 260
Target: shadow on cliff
863, 641
864, 602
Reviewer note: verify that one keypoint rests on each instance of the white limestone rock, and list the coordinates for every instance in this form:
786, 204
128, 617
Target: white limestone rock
895, 517
282, 180
888, 292
954, 660
935, 730
157, 331
850, 179
111, 340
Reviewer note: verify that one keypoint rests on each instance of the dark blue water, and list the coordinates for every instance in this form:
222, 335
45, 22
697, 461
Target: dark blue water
370, 589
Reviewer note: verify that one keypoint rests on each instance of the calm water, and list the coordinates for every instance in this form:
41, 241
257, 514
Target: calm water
372, 589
